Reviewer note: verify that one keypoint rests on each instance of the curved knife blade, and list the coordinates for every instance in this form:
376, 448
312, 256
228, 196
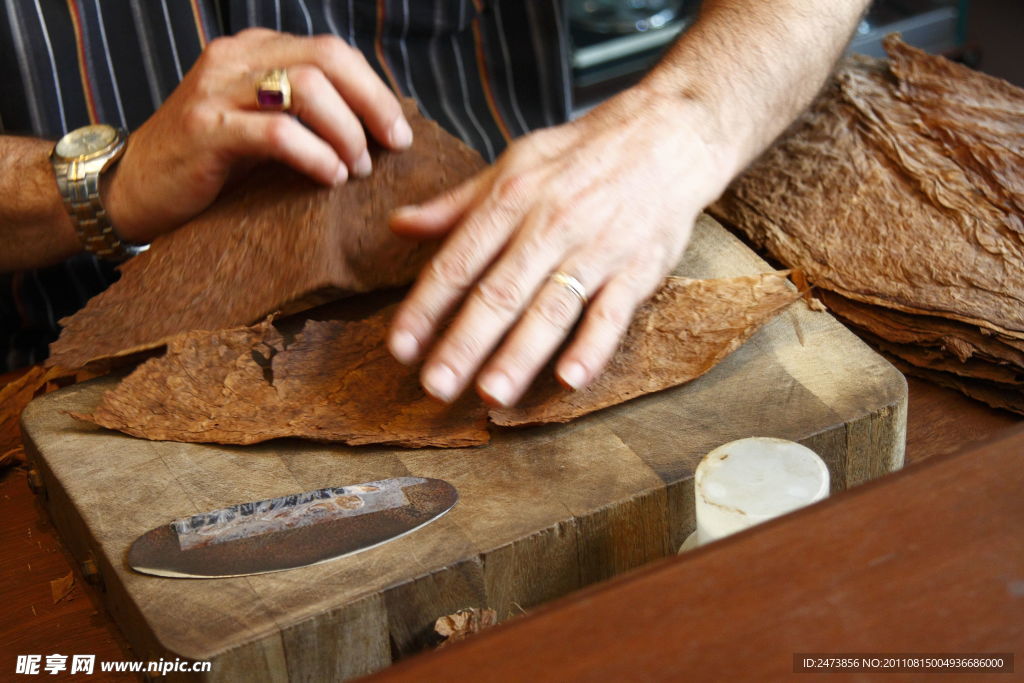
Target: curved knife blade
291, 531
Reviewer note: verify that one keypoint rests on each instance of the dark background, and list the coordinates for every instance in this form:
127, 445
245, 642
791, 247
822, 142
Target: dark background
995, 30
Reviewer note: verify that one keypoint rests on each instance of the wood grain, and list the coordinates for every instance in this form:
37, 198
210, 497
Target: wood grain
927, 561
544, 510
939, 421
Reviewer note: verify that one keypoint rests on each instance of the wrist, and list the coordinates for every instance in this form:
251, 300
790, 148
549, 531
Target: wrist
690, 118
121, 207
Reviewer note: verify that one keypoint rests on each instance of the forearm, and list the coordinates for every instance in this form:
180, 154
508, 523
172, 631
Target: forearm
750, 67
35, 230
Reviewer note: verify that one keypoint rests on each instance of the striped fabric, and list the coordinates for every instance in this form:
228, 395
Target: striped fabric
486, 70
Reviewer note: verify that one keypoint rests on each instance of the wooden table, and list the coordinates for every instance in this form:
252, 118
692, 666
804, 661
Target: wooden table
939, 422
928, 560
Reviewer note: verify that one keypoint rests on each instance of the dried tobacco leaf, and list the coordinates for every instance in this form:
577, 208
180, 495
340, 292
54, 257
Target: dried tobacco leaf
991, 150
61, 588
14, 396
994, 394
866, 195
936, 359
278, 242
958, 340
686, 328
464, 623
335, 381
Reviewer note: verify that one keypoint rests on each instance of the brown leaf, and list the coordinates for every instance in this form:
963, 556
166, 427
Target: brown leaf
464, 623
901, 187
686, 328
336, 381
901, 194
61, 588
36, 381
277, 242
958, 340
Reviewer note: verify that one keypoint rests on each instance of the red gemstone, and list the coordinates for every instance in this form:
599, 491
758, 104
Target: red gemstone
270, 99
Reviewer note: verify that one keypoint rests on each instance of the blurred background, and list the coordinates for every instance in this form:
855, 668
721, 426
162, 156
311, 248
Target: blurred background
616, 41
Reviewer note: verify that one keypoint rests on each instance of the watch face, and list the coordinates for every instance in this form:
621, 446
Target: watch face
85, 141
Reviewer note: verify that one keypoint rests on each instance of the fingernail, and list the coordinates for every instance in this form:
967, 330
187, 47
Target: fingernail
404, 347
573, 375
439, 381
364, 166
342, 175
497, 387
401, 133
405, 211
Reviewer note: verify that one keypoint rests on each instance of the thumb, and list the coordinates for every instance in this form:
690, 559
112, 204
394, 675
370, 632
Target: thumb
436, 217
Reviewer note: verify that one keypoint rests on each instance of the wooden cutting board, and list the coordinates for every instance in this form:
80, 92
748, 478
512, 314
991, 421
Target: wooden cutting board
543, 511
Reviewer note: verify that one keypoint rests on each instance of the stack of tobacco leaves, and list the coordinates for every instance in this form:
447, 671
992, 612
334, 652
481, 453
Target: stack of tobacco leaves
900, 194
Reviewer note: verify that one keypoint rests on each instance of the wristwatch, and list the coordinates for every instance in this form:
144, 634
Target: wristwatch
78, 159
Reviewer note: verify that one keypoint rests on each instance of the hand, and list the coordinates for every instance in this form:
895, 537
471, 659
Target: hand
609, 199
210, 127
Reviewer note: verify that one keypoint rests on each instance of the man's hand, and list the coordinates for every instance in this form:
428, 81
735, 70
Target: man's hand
178, 161
609, 200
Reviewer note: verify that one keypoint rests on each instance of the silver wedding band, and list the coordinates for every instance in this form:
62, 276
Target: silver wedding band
570, 283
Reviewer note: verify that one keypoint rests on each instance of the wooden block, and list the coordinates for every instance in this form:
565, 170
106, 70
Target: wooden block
542, 510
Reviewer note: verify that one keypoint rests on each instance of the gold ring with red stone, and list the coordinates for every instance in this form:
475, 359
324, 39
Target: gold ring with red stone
274, 91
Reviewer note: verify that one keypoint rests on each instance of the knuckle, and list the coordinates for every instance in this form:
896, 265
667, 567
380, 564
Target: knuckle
452, 268
218, 49
332, 48
462, 350
512, 188
197, 120
519, 149
501, 294
303, 78
559, 221
255, 32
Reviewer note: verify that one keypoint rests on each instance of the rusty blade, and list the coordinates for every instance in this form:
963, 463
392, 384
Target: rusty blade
291, 531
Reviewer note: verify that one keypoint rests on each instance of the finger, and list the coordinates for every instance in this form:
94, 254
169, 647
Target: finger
352, 76
317, 103
438, 216
607, 318
450, 274
494, 305
527, 348
281, 137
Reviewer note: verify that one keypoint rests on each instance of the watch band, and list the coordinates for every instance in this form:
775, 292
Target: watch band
82, 201
78, 181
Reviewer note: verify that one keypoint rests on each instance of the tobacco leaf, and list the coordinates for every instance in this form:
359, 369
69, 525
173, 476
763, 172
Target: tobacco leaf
991, 150
686, 328
15, 395
61, 588
865, 195
994, 394
958, 340
464, 623
936, 359
335, 381
277, 242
